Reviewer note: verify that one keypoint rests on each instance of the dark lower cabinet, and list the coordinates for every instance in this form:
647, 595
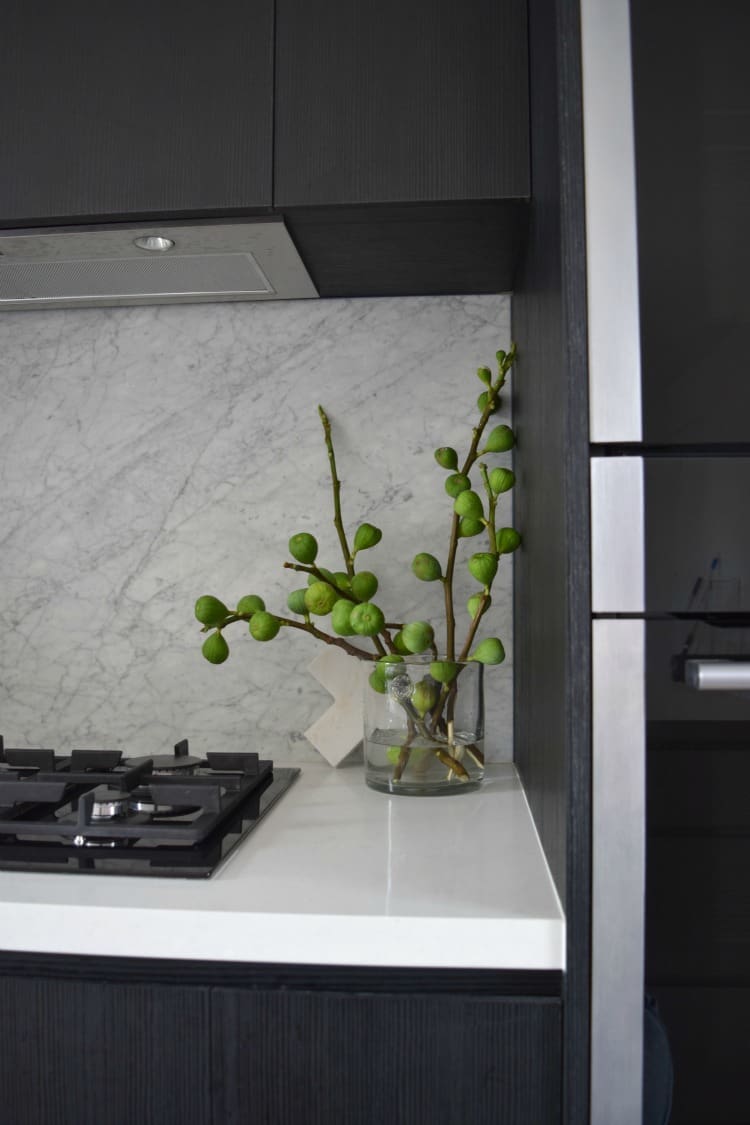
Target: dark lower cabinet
319, 1058
89, 1040
85, 1052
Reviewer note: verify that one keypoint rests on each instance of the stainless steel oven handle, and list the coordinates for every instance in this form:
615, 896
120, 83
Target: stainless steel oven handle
718, 675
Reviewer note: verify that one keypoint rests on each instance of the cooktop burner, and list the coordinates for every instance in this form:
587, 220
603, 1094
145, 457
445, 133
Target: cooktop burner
99, 812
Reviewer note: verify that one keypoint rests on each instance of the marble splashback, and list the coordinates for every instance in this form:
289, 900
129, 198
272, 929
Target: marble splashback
149, 455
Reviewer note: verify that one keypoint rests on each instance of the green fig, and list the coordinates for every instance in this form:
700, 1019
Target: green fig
456, 484
341, 580
485, 375
426, 567
296, 602
483, 567
264, 626
507, 540
367, 619
251, 603
327, 576
484, 399
215, 649
366, 536
210, 611
320, 598
502, 480
446, 457
391, 658
398, 643
303, 548
500, 356
417, 636
468, 527
500, 440
469, 504
475, 602
424, 696
376, 679
341, 618
364, 585
490, 651
444, 671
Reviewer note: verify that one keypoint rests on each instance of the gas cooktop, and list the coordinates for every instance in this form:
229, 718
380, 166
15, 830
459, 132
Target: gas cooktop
100, 812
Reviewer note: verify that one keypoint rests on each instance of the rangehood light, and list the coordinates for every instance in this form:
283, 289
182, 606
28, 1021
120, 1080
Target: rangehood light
153, 242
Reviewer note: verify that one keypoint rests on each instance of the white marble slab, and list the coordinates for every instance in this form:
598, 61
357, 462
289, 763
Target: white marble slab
336, 874
150, 455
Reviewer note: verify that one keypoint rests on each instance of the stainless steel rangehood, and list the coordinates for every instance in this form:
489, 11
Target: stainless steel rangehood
150, 264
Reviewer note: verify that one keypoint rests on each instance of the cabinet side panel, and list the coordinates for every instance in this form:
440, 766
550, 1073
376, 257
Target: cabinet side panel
552, 601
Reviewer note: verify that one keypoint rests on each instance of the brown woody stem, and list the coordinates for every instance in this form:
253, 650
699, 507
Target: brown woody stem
336, 483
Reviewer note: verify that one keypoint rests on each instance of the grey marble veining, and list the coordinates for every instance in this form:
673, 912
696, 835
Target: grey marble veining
149, 455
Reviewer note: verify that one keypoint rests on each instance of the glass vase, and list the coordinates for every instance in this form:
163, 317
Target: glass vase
424, 727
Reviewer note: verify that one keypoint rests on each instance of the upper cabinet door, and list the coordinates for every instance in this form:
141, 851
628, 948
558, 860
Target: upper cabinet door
400, 102
138, 109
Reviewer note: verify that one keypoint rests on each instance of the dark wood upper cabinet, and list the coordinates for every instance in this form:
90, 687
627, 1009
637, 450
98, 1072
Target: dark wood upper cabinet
400, 103
392, 139
140, 109
401, 159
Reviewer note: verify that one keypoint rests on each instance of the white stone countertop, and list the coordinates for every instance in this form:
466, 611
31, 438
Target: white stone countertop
335, 874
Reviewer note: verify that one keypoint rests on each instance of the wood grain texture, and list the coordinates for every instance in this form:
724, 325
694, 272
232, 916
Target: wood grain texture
552, 674
266, 976
82, 1053
143, 109
297, 1058
123, 1040
397, 251
400, 102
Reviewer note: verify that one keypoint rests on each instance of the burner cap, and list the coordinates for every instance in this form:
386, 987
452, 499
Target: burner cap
109, 803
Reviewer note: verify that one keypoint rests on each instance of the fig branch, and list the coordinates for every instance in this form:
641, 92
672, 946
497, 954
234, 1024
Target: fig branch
346, 596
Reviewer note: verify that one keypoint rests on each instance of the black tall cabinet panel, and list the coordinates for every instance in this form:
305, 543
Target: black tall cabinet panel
552, 675
139, 109
692, 115
397, 103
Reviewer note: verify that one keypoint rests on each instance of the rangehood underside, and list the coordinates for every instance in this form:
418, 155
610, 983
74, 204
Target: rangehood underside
150, 264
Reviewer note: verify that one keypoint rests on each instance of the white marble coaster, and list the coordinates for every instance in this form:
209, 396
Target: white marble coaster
339, 730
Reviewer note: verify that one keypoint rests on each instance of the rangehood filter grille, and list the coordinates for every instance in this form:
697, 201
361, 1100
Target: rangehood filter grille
210, 261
